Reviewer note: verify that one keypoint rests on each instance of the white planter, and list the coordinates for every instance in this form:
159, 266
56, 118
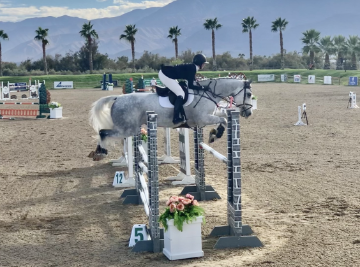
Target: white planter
186, 244
254, 103
56, 113
110, 88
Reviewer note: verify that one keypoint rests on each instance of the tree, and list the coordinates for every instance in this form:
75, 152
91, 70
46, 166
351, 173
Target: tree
326, 44
212, 24
3, 36
174, 32
340, 50
280, 25
129, 35
310, 39
41, 35
89, 34
353, 48
248, 24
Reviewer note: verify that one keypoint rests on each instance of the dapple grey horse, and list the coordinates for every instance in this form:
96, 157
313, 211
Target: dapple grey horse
122, 116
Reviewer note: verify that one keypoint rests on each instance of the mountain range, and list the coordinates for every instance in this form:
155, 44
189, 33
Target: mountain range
327, 16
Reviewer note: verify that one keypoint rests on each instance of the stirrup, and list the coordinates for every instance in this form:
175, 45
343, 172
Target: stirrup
179, 120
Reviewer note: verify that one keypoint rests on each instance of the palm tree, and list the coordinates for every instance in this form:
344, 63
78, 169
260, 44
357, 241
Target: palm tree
174, 32
340, 50
212, 24
353, 48
280, 25
3, 36
129, 35
248, 24
326, 44
89, 34
41, 35
311, 39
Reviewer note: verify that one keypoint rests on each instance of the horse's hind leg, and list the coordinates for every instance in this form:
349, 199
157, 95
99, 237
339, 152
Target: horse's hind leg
100, 151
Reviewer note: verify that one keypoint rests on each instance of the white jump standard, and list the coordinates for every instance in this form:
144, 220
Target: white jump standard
302, 115
352, 100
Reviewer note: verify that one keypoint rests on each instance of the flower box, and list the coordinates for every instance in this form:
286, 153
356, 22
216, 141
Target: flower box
186, 244
56, 113
110, 88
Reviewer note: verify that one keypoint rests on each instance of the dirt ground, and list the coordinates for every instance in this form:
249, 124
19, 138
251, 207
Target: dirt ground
300, 187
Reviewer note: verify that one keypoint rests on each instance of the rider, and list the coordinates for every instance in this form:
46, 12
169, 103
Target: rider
169, 74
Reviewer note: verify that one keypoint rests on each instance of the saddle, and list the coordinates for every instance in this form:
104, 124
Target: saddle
166, 92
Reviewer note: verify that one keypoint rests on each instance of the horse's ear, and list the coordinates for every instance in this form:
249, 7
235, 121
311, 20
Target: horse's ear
250, 81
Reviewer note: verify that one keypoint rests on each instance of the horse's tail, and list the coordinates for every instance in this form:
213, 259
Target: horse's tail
100, 113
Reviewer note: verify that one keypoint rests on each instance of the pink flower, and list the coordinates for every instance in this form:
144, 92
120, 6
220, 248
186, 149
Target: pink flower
186, 201
143, 131
195, 203
180, 206
190, 196
172, 207
181, 198
174, 199
168, 202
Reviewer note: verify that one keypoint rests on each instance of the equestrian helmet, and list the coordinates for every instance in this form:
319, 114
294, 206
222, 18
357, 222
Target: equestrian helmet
199, 59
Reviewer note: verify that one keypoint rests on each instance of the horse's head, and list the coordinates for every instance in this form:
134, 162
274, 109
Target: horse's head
242, 98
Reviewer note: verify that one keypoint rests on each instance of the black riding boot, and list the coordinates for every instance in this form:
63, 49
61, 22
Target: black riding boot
178, 110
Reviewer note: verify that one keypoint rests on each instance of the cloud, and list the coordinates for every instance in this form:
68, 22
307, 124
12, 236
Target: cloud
119, 7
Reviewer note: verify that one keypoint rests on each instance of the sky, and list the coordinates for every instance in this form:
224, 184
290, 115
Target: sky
17, 10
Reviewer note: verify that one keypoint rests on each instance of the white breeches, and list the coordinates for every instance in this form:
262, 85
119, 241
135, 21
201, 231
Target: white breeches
171, 84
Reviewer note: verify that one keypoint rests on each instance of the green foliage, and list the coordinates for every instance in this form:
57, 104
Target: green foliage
189, 214
42, 94
181, 209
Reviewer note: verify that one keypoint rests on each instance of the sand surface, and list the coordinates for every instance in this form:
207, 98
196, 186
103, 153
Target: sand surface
301, 187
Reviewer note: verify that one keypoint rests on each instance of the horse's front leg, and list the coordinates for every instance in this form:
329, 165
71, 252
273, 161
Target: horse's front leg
219, 131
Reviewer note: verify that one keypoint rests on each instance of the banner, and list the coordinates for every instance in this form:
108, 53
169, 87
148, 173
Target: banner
311, 79
17, 86
353, 81
63, 85
284, 77
266, 78
297, 78
327, 80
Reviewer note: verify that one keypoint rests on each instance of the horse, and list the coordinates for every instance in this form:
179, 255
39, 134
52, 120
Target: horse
122, 116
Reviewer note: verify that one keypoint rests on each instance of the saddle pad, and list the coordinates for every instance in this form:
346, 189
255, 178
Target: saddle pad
165, 102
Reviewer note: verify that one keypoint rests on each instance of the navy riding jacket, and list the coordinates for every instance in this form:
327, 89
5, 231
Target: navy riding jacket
182, 71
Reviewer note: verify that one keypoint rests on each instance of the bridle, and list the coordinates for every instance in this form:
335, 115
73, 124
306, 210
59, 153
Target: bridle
209, 94
247, 86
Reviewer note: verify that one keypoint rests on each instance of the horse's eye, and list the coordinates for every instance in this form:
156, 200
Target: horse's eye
248, 94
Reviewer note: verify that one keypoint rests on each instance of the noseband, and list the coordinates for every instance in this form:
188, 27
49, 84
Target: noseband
245, 87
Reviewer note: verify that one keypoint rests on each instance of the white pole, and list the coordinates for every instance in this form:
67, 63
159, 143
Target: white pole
184, 176
167, 158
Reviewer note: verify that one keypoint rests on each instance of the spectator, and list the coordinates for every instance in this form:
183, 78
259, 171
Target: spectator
153, 84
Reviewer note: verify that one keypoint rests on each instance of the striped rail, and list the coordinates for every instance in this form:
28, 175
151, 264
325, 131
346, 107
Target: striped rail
19, 112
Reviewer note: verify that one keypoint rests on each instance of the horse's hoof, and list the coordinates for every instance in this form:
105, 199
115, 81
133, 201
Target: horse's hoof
98, 157
212, 139
212, 136
91, 155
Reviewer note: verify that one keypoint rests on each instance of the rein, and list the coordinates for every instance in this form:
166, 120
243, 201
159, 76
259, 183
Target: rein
207, 93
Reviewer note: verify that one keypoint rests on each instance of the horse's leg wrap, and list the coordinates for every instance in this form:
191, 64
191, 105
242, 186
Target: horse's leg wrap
220, 131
